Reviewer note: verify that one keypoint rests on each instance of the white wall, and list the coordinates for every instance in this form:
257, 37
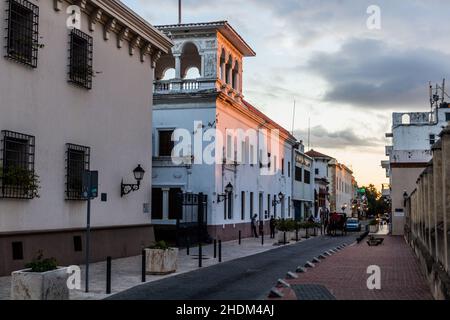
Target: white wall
114, 119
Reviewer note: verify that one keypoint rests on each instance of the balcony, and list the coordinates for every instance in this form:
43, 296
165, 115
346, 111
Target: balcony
389, 150
184, 85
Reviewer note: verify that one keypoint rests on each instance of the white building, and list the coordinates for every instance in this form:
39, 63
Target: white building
321, 181
71, 100
413, 134
213, 101
303, 185
342, 187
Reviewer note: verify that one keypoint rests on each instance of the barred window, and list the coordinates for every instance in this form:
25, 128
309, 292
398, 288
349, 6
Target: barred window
80, 61
77, 162
23, 32
17, 177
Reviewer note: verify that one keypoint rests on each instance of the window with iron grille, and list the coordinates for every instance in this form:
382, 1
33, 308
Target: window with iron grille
80, 61
77, 162
22, 32
17, 177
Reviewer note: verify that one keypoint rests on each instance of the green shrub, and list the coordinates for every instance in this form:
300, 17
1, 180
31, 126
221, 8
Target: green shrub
160, 245
39, 264
373, 222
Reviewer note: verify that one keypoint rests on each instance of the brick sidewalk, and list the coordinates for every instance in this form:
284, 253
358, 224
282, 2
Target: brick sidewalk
344, 273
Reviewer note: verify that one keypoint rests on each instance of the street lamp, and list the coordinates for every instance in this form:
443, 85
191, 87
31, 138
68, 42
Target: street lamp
280, 198
138, 173
224, 196
405, 197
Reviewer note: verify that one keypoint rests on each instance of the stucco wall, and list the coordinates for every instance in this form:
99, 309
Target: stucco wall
114, 119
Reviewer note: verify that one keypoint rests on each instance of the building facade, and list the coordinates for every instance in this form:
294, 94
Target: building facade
303, 185
321, 182
250, 171
427, 218
342, 191
413, 135
75, 96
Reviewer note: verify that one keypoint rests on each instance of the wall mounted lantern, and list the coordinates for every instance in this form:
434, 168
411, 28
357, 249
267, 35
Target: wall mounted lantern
224, 196
138, 173
280, 198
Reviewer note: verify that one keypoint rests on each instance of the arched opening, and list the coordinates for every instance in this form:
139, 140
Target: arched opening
190, 58
235, 80
169, 74
222, 65
165, 63
406, 119
228, 73
192, 73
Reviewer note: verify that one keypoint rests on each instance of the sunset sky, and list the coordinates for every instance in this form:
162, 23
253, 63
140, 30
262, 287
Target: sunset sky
346, 79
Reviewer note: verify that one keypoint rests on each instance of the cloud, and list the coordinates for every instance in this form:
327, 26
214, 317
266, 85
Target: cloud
370, 73
340, 139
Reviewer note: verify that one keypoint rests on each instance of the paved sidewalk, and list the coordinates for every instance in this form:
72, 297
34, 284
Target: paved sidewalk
126, 272
344, 274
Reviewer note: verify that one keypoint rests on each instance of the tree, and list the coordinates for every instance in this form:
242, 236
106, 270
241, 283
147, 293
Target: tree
375, 203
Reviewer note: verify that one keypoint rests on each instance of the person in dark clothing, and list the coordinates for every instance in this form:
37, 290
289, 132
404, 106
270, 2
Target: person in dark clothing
254, 232
272, 227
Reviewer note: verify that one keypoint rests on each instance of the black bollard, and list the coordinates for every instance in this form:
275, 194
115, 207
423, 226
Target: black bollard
200, 254
220, 250
296, 235
108, 275
284, 237
215, 248
188, 246
143, 266
240, 237
262, 238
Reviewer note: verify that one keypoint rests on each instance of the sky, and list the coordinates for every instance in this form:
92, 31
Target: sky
346, 78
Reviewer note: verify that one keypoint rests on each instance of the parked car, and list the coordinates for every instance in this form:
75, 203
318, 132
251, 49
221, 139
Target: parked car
353, 224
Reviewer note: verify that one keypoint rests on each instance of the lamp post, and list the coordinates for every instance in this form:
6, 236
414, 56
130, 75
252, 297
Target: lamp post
138, 173
224, 196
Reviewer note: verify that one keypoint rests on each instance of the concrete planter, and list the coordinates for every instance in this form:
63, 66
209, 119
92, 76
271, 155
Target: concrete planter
161, 261
373, 229
302, 233
280, 236
50, 285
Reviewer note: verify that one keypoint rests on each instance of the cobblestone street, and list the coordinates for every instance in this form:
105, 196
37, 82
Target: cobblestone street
344, 274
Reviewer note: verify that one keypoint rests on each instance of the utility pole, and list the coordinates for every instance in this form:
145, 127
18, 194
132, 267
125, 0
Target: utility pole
179, 11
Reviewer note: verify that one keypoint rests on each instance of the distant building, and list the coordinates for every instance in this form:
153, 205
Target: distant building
204, 91
303, 185
342, 187
321, 181
74, 99
413, 135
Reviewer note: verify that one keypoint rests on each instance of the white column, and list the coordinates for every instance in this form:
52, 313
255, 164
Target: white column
177, 66
165, 203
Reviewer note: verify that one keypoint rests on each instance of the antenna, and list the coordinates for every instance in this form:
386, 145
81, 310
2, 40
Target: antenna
179, 11
309, 134
293, 118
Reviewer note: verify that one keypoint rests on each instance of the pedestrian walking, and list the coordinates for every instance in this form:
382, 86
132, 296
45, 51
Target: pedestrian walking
272, 227
254, 232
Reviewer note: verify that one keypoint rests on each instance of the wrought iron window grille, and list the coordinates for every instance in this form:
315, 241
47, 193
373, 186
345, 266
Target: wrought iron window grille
22, 32
77, 162
80, 59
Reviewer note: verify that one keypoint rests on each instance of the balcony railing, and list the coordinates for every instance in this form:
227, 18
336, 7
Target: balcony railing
174, 85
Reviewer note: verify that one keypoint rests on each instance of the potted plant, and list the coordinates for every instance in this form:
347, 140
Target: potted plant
286, 228
373, 226
161, 259
24, 181
41, 280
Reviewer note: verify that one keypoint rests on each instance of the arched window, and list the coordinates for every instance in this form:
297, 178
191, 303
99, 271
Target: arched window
190, 58
192, 73
169, 74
